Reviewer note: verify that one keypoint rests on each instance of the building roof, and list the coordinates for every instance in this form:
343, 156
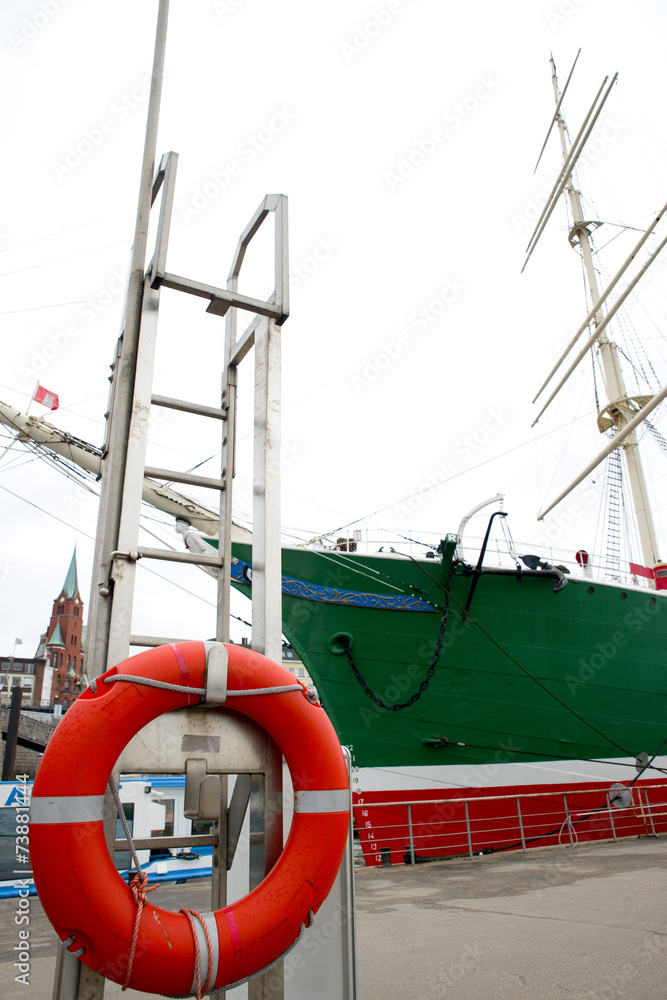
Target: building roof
57, 637
71, 584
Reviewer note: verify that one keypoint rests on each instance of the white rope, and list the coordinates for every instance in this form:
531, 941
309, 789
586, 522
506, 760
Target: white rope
273, 690
271, 965
151, 682
70, 940
126, 828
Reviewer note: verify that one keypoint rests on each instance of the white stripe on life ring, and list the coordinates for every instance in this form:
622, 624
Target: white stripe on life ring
209, 920
66, 808
323, 801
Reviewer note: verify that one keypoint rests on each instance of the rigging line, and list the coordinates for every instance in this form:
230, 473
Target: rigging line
78, 476
92, 537
463, 472
649, 764
584, 760
539, 682
58, 260
58, 232
438, 584
408, 538
48, 512
637, 371
52, 305
369, 570
611, 240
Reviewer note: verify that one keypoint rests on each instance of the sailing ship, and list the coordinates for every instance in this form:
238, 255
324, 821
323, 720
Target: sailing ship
465, 683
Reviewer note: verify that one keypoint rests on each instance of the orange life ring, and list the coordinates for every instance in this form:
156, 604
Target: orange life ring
84, 897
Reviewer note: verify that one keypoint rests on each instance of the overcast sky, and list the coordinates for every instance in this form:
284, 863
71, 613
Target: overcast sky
405, 135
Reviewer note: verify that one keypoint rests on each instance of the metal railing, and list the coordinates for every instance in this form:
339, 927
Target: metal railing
29, 727
498, 553
393, 832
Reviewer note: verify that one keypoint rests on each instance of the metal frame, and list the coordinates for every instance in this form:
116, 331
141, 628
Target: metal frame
214, 743
249, 751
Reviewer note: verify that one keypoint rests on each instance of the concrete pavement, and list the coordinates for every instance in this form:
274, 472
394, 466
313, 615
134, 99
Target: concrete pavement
582, 923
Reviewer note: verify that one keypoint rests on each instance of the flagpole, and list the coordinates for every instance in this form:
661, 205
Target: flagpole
11, 445
32, 398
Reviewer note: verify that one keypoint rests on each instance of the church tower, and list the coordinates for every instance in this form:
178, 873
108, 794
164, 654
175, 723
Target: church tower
66, 640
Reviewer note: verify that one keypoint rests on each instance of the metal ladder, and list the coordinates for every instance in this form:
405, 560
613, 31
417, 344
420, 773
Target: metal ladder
614, 500
244, 749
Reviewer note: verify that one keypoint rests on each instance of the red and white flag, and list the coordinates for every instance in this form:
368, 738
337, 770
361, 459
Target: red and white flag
46, 398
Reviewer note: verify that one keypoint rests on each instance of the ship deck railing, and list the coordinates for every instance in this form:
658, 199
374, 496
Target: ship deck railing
425, 829
498, 554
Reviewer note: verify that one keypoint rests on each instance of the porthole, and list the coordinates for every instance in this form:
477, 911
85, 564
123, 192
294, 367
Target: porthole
623, 596
590, 590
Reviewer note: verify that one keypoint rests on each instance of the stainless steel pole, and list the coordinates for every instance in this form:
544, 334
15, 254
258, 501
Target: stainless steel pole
120, 412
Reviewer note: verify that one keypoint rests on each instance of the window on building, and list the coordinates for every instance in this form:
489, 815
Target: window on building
16, 682
67, 683
58, 683
68, 662
73, 640
65, 703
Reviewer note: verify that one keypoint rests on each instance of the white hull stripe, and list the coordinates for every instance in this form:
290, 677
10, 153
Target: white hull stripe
444, 777
66, 809
209, 920
323, 801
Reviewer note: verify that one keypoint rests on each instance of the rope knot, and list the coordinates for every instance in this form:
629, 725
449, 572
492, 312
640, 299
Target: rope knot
137, 884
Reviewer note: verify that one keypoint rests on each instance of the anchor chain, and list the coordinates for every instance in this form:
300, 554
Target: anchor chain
431, 670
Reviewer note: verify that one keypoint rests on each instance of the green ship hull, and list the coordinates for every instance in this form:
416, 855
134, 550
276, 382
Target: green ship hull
510, 689
528, 673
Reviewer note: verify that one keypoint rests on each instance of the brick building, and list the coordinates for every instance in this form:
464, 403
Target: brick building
20, 671
64, 645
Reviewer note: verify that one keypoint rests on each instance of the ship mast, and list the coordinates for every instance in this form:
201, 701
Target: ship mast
620, 408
